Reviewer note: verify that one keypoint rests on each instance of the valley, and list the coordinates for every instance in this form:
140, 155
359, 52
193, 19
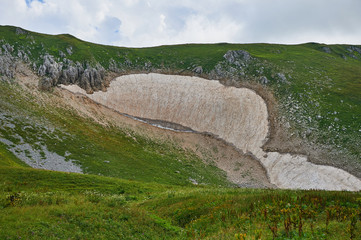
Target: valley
190, 141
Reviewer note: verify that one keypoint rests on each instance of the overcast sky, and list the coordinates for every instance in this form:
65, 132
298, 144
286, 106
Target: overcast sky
139, 23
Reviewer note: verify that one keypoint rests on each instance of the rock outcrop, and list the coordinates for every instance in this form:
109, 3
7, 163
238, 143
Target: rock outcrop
52, 70
89, 78
238, 57
7, 61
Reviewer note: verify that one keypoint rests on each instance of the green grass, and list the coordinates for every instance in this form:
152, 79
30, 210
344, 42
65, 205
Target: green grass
38, 204
73, 206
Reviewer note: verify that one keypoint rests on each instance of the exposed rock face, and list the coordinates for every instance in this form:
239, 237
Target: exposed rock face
239, 65
353, 48
53, 73
8, 48
20, 31
50, 67
92, 77
7, 66
7, 61
237, 115
237, 57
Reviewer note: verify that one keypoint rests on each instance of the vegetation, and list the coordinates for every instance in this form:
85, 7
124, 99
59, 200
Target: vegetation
39, 204
317, 86
137, 188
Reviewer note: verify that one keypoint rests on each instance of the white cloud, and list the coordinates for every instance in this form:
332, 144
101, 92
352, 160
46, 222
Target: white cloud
156, 22
162, 24
202, 29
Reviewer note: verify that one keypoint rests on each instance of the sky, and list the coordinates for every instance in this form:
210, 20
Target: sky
144, 23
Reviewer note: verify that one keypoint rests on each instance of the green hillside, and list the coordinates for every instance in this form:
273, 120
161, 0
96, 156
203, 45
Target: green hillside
317, 86
137, 187
39, 204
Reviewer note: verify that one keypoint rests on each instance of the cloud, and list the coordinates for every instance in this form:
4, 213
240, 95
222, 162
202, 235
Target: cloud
156, 22
304, 20
28, 2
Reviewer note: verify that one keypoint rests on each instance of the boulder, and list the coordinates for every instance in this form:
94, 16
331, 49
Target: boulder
198, 70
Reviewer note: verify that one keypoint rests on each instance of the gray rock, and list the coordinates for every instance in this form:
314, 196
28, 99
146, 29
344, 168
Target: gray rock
198, 70
61, 54
356, 49
7, 66
8, 48
92, 79
69, 50
326, 49
263, 80
80, 67
69, 75
50, 67
88, 78
53, 72
353, 56
281, 77
20, 54
237, 56
148, 65
42, 70
19, 31
23, 56
219, 70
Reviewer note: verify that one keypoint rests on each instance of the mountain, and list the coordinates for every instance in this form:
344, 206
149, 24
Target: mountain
156, 183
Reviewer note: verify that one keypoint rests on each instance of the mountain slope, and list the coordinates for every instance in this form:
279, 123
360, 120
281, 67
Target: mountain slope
40, 204
316, 87
169, 185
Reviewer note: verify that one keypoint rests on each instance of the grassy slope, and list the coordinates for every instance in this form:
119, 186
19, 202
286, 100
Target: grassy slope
38, 204
321, 98
8, 159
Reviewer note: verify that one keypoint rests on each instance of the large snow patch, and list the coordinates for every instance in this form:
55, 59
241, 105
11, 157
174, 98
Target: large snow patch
237, 115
